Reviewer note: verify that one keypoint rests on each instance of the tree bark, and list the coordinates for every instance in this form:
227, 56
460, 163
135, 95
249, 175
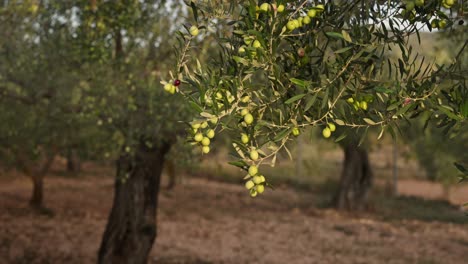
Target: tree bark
356, 179
37, 195
37, 175
170, 169
73, 161
131, 228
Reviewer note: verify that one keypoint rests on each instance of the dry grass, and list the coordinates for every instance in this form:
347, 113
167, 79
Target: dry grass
204, 221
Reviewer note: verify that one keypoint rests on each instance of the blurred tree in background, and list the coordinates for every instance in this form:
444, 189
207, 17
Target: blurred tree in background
38, 80
85, 74
438, 147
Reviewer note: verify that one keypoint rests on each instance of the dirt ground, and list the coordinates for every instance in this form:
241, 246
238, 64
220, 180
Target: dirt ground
211, 222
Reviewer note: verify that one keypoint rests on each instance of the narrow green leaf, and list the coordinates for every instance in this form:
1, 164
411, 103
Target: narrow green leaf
369, 121
334, 35
311, 102
298, 82
294, 98
393, 106
281, 135
195, 11
403, 109
240, 163
325, 98
345, 49
240, 60
341, 137
196, 107
448, 113
238, 150
206, 114
401, 67
363, 136
346, 36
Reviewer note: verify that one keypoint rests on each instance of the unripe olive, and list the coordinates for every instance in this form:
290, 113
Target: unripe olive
256, 44
291, 25
257, 179
363, 105
249, 184
320, 8
167, 87
194, 31
442, 23
244, 111
253, 170
262, 178
296, 23
253, 193
210, 133
254, 155
448, 3
326, 132
265, 7
312, 13
214, 120
244, 138
295, 131
198, 137
280, 8
260, 189
205, 149
205, 141
248, 119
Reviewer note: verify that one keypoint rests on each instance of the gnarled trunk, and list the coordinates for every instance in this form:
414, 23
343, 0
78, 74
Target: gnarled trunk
356, 179
131, 228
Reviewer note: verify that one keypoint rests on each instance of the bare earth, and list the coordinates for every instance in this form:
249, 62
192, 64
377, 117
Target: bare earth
210, 222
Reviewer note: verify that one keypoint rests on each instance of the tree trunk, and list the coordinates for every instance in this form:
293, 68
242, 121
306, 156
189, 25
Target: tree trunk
37, 177
131, 227
170, 169
73, 161
37, 195
356, 179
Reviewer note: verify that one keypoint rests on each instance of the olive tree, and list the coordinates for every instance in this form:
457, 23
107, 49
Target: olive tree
124, 50
287, 65
37, 94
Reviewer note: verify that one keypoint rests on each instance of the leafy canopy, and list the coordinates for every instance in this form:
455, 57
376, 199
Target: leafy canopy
284, 66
